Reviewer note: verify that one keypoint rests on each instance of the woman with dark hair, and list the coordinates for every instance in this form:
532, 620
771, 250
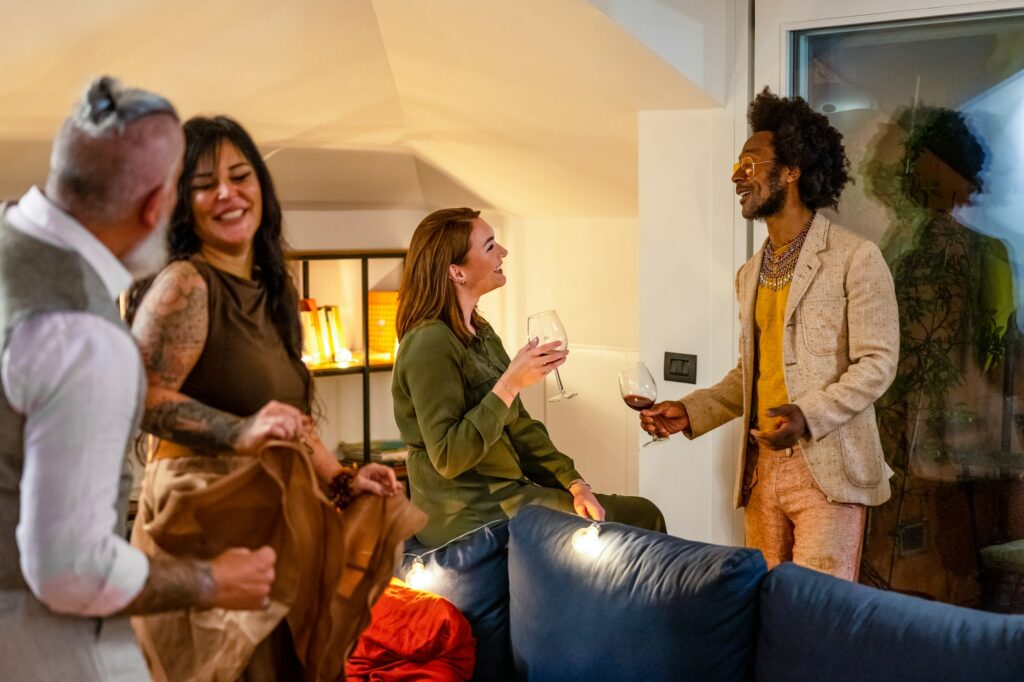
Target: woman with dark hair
475, 455
220, 338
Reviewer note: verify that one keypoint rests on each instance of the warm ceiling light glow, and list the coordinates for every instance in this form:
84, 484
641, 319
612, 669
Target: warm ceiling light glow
419, 577
586, 540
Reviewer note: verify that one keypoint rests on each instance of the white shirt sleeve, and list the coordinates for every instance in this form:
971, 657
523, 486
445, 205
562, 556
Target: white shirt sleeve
75, 378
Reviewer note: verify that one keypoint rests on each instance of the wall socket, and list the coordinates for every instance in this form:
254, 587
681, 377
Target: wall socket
681, 367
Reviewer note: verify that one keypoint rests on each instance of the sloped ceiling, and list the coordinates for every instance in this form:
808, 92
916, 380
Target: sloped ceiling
527, 106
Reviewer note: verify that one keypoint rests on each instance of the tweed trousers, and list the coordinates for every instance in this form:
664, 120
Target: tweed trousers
789, 518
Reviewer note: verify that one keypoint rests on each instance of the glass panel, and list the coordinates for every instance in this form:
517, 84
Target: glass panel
932, 113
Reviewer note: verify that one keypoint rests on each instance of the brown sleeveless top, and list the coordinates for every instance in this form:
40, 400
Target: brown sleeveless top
244, 363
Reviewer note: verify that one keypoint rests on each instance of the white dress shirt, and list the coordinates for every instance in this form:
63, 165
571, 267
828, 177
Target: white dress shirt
75, 377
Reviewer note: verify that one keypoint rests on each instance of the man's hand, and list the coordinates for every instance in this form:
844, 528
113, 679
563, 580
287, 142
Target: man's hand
242, 578
792, 427
237, 578
665, 418
376, 479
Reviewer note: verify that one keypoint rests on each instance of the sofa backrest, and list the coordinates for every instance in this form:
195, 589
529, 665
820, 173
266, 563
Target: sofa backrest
472, 573
646, 606
815, 627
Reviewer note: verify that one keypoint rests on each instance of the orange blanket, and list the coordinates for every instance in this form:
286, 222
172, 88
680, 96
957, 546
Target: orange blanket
413, 636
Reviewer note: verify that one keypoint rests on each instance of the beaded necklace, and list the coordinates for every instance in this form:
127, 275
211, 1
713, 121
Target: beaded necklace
777, 267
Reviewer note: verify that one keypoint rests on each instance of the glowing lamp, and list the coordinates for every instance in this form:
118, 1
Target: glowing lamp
383, 309
586, 540
419, 577
312, 353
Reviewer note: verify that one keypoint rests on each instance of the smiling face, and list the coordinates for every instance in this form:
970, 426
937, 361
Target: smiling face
227, 203
480, 272
758, 178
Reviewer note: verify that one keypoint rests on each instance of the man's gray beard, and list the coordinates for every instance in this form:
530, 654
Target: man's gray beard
148, 256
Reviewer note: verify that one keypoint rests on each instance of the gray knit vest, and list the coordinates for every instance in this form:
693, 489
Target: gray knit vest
37, 278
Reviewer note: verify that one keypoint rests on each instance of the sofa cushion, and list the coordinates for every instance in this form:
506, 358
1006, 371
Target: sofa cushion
646, 606
816, 627
472, 573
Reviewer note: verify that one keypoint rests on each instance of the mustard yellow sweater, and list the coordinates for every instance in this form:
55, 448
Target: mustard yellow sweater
771, 379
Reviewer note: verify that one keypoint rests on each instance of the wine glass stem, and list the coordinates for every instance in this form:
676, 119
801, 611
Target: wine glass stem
558, 380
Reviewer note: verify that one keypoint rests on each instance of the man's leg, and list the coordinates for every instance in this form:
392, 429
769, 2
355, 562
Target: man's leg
766, 525
828, 536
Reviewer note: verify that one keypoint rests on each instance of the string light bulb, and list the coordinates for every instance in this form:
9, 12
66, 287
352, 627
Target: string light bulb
587, 540
419, 577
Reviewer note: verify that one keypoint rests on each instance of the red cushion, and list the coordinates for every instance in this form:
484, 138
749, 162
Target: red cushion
413, 635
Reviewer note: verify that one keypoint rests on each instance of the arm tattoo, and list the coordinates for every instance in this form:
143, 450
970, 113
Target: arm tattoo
171, 327
206, 430
174, 584
172, 324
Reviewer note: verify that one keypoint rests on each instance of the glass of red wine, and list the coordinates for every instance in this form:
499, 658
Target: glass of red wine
638, 390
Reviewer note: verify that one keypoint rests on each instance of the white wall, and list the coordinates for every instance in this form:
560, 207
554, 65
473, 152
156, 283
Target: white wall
691, 241
350, 230
586, 270
688, 34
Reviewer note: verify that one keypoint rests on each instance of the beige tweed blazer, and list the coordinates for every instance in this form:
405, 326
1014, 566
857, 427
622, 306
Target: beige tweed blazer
841, 345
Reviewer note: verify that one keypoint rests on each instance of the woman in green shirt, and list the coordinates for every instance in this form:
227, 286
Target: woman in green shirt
475, 455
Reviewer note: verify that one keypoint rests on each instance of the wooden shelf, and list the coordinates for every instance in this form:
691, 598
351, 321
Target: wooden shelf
345, 255
358, 366
351, 369
335, 371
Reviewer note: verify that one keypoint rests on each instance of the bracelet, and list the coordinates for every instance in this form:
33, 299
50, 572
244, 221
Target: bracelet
507, 388
579, 481
339, 490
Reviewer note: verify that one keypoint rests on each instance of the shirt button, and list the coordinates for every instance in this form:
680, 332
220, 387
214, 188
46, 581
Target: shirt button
789, 452
828, 499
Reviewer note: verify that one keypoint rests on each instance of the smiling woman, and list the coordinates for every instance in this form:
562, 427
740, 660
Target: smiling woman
227, 205
221, 343
475, 454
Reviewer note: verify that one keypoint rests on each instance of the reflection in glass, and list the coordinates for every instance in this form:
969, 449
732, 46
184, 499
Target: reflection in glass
932, 114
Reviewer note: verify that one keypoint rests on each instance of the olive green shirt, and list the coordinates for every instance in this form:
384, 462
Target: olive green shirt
470, 456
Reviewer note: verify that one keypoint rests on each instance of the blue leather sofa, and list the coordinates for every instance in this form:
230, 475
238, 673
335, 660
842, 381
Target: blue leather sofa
646, 606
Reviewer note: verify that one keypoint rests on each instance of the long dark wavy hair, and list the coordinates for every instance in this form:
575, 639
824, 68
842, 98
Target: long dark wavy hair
203, 138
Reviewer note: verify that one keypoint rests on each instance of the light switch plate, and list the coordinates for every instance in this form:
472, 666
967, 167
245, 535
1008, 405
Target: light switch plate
681, 367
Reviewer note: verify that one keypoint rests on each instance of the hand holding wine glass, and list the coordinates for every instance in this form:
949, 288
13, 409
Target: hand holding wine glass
639, 391
666, 417
532, 363
547, 328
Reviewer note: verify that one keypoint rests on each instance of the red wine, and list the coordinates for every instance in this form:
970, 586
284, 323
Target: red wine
638, 402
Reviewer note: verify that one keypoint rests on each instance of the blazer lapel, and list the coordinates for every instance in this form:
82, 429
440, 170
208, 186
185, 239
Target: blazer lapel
807, 263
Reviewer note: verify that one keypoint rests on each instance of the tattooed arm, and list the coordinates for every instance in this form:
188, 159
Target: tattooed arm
171, 328
236, 579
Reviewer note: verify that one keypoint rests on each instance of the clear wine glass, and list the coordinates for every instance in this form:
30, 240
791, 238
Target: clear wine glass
546, 327
639, 391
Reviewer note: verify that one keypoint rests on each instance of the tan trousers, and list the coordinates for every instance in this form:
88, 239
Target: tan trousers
788, 518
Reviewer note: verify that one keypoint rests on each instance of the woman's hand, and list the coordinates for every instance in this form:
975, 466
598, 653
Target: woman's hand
376, 479
274, 421
584, 502
532, 363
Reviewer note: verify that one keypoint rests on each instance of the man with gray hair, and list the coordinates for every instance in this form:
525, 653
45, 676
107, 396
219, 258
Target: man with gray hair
72, 395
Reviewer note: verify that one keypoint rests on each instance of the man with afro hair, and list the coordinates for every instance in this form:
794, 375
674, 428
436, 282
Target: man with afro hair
819, 343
